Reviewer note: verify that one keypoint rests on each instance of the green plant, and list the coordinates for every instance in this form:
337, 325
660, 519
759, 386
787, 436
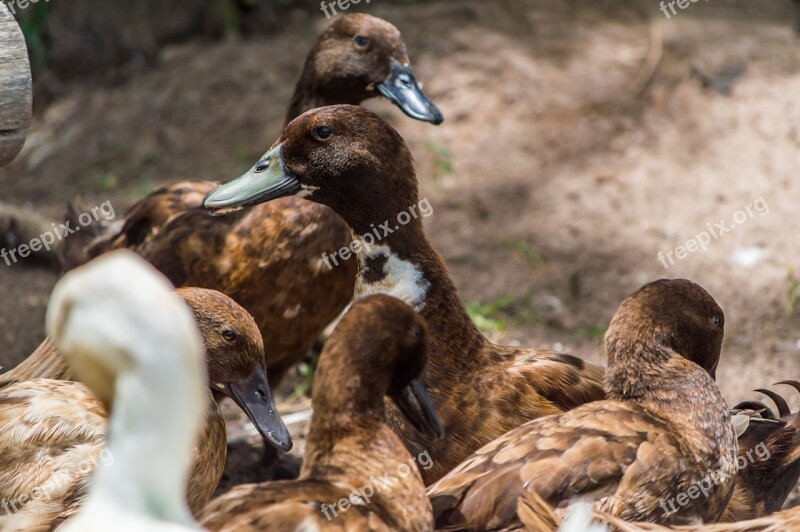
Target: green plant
442, 160
490, 317
592, 332
32, 21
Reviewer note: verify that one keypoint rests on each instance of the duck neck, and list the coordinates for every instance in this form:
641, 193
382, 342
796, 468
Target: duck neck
314, 90
675, 389
399, 261
147, 474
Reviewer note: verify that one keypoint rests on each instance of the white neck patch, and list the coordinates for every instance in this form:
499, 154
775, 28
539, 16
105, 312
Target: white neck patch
403, 279
306, 191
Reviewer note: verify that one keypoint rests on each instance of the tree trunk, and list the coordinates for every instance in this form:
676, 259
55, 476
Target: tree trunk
16, 95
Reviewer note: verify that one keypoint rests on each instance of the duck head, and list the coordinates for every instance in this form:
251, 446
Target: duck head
359, 57
342, 156
235, 359
674, 313
383, 343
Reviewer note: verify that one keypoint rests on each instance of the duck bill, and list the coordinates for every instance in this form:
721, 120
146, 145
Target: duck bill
401, 88
416, 406
265, 181
255, 398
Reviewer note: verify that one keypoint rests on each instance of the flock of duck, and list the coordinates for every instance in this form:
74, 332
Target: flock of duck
419, 422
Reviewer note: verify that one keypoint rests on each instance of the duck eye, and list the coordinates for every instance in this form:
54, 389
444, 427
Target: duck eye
361, 40
417, 332
230, 336
717, 321
323, 132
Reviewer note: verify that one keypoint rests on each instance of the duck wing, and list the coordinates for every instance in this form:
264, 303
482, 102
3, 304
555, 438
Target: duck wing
52, 435
604, 451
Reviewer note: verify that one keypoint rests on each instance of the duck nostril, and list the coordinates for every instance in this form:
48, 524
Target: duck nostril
263, 165
261, 393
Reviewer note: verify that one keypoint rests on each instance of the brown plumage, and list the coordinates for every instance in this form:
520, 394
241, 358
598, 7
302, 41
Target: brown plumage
769, 459
378, 349
350, 160
269, 259
787, 520
663, 431
53, 432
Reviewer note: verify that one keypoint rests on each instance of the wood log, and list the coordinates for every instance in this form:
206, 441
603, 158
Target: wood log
16, 94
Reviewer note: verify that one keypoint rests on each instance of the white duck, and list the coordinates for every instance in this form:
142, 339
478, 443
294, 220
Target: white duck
132, 341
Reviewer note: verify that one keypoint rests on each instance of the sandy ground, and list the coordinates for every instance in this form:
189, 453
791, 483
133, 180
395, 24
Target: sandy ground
581, 139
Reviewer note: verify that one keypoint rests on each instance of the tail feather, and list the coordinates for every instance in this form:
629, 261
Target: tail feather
44, 363
536, 515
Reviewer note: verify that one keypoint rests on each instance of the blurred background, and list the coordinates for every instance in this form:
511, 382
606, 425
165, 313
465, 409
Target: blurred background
582, 138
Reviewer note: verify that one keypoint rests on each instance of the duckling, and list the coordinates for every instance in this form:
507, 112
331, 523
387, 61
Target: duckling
769, 459
662, 448
66, 423
349, 159
356, 475
270, 259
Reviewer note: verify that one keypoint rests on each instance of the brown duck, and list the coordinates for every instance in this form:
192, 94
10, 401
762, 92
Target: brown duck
662, 448
769, 459
66, 423
268, 259
357, 475
349, 159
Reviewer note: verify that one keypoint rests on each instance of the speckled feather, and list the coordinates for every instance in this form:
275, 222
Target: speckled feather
348, 445
268, 259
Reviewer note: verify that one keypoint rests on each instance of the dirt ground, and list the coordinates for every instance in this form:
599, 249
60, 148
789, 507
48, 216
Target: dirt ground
581, 139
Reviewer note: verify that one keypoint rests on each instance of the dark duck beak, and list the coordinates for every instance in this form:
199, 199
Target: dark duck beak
416, 406
401, 88
255, 398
